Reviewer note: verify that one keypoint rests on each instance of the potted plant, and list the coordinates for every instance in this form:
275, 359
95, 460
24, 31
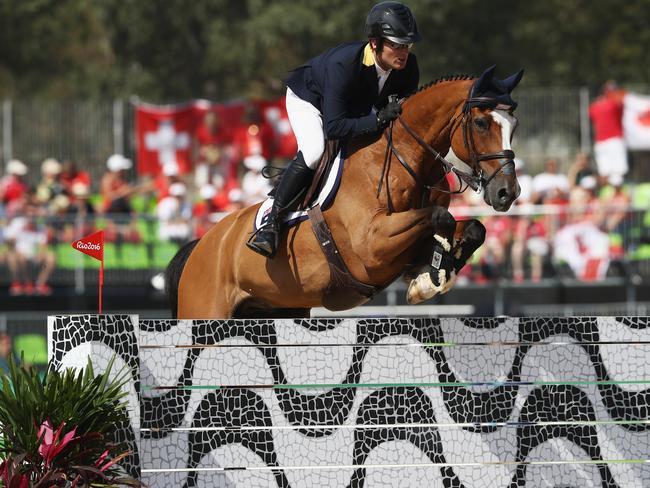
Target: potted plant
58, 428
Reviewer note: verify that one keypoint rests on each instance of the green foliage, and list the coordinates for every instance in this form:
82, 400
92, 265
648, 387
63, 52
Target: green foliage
81, 404
221, 49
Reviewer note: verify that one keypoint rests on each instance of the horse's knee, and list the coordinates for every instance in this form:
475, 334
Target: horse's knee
474, 233
443, 222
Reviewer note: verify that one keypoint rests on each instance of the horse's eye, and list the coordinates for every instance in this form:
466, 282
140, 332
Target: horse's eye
481, 124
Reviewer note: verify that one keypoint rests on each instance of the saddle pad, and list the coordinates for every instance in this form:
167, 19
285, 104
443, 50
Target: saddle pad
324, 198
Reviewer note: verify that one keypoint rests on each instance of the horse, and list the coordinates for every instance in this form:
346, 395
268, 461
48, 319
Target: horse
389, 218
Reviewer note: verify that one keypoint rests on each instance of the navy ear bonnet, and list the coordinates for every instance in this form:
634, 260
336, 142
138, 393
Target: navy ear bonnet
498, 91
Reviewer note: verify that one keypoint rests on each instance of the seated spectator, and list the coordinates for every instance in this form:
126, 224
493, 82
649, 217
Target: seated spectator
71, 175
13, 186
579, 169
525, 182
174, 214
550, 186
616, 218
495, 248
50, 187
27, 247
530, 239
5, 353
255, 187
580, 243
206, 211
114, 186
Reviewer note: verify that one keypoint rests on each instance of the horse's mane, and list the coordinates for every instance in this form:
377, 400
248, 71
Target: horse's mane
441, 79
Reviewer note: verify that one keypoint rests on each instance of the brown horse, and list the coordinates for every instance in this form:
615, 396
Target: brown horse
382, 230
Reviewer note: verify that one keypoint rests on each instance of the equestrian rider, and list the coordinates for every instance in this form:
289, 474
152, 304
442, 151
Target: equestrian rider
343, 93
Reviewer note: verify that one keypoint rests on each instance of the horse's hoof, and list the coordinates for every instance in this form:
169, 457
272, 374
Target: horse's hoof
422, 288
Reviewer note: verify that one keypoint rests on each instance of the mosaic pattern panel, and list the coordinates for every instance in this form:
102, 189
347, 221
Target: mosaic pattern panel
72, 339
395, 402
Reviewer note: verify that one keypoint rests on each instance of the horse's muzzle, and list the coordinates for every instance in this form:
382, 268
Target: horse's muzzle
503, 193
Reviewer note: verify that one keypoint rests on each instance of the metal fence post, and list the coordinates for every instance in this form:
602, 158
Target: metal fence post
585, 134
7, 149
118, 126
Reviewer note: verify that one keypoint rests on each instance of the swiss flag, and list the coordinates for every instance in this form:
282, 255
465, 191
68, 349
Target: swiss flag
93, 245
164, 136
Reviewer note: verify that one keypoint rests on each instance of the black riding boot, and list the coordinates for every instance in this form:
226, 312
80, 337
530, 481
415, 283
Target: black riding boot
294, 181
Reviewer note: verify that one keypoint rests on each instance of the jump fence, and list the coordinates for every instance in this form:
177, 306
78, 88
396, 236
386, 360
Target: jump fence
449, 402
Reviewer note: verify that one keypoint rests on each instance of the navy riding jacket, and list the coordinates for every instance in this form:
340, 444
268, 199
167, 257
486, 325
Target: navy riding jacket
342, 84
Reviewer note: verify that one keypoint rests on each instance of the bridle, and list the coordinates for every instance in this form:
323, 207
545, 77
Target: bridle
476, 180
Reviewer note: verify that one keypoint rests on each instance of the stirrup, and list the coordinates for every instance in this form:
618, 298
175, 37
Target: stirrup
268, 252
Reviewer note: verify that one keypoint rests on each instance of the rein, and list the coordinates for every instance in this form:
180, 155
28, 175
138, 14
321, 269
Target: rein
476, 182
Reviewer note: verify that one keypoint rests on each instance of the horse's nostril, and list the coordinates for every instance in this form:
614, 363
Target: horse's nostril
502, 194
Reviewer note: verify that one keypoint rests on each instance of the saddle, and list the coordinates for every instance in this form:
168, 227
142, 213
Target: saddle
322, 190
343, 287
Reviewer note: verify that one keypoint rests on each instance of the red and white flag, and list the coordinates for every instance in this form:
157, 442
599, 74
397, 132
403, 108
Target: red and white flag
636, 121
164, 133
164, 136
92, 244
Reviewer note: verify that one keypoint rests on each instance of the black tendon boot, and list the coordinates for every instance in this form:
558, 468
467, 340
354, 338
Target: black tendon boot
294, 181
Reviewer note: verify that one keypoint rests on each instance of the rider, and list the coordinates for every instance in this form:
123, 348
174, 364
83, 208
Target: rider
343, 93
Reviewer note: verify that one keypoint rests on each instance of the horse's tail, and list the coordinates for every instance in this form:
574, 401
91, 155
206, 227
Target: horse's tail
173, 274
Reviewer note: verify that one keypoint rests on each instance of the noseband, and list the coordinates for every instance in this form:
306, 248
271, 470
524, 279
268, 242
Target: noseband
476, 181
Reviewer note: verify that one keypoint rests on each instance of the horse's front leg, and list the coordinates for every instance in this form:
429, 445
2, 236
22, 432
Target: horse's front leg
444, 268
441, 267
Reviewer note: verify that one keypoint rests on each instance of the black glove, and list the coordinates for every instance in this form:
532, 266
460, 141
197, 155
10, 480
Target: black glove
389, 113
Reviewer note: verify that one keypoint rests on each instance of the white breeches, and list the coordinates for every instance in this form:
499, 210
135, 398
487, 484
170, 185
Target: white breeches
307, 124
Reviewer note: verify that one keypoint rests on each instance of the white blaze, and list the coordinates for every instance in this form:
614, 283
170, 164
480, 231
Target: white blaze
508, 124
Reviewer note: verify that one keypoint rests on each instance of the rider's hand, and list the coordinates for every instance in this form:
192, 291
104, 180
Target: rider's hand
389, 113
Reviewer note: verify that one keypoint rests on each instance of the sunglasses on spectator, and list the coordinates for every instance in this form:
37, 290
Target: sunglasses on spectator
396, 46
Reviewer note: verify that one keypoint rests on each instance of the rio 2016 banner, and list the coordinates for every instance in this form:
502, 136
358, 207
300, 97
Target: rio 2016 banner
167, 135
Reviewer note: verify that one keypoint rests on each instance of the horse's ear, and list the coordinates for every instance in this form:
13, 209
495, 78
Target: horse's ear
512, 81
484, 82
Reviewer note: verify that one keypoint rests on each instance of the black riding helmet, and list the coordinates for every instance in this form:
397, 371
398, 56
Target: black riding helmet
393, 21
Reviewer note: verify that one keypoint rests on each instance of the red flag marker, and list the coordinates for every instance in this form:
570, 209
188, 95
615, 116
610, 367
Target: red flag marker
93, 246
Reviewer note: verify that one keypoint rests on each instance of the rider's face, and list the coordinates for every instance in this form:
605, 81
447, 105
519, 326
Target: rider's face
392, 56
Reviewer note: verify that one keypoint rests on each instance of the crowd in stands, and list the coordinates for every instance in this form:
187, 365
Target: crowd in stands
583, 227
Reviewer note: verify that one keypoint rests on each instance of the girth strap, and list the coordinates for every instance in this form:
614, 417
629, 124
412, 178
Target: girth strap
341, 280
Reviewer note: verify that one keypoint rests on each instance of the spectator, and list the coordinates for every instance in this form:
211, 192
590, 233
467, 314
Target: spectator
550, 186
174, 214
579, 169
114, 187
255, 187
525, 182
13, 186
615, 204
27, 247
50, 186
5, 352
581, 244
606, 114
495, 248
529, 240
71, 175
206, 211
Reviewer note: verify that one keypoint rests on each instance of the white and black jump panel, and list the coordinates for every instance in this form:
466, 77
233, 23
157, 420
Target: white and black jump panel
447, 402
